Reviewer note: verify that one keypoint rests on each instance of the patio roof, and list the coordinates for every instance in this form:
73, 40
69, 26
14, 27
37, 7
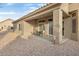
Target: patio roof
37, 11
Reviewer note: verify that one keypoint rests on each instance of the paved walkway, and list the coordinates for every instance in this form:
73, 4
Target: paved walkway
39, 47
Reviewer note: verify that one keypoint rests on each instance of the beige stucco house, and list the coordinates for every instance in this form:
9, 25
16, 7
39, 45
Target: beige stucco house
57, 20
6, 25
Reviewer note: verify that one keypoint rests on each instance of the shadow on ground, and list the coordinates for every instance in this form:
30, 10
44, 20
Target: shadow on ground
3, 34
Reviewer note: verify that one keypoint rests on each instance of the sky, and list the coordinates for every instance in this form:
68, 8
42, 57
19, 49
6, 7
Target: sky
17, 10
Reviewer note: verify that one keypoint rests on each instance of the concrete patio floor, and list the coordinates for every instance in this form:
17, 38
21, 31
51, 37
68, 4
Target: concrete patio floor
39, 47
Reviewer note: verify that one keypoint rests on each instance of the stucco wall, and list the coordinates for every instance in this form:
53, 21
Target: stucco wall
65, 7
74, 35
73, 6
77, 24
16, 27
27, 30
68, 27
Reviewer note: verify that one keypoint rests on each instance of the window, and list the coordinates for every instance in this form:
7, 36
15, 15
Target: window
19, 26
50, 20
2, 27
41, 21
11, 27
73, 25
41, 27
50, 26
63, 28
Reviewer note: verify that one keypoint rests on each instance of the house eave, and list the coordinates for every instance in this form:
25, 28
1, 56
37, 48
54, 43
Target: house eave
36, 11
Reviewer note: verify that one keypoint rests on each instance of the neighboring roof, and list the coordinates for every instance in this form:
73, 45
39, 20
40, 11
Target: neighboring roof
6, 20
36, 11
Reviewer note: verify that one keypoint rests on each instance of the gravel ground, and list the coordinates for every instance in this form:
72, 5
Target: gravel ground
39, 47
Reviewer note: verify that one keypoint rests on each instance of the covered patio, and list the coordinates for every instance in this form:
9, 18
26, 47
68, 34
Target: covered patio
48, 24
